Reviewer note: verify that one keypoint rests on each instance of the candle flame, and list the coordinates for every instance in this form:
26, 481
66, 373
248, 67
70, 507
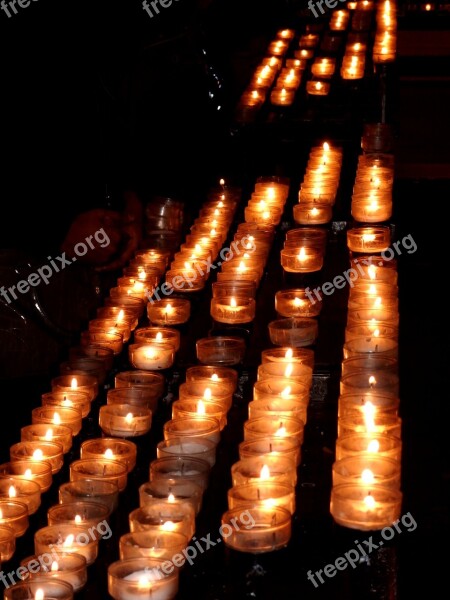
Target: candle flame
169, 309
369, 501
374, 446
285, 393
74, 383
28, 474
12, 493
302, 254
326, 146
367, 476
369, 416
168, 526
138, 286
150, 353
129, 418
242, 266
207, 394
38, 454
372, 288
109, 453
266, 214
214, 377
39, 595
376, 333
314, 211
68, 542
265, 472
368, 237
281, 431
298, 302
288, 370
318, 85
222, 182
171, 498
377, 303
270, 502
48, 435
55, 566
144, 582
56, 419
201, 409
372, 380
143, 276
78, 519
233, 302
289, 353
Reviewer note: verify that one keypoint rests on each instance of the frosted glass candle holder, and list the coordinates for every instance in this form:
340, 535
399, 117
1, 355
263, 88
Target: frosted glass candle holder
86, 514
101, 491
191, 469
23, 490
288, 354
150, 356
68, 538
67, 567
124, 451
51, 452
76, 383
157, 335
221, 350
38, 471
78, 400
14, 514
125, 420
264, 468
277, 446
7, 544
179, 488
60, 415
262, 494
359, 444
166, 515
140, 578
267, 427
190, 448
169, 311
53, 590
368, 239
293, 331
367, 470
151, 544
105, 470
223, 376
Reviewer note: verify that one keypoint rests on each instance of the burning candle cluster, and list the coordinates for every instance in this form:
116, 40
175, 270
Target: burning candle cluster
318, 190
366, 493
385, 44
372, 191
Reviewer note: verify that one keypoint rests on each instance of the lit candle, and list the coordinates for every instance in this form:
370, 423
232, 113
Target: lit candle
358, 506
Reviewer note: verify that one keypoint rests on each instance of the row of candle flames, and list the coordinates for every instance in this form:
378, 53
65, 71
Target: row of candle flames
47, 438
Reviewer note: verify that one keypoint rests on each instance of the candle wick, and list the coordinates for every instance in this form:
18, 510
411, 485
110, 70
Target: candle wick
259, 495
270, 446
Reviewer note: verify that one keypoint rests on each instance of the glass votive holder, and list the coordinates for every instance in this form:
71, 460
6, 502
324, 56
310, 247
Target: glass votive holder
149, 356
270, 215
106, 470
292, 371
283, 95
382, 382
178, 488
109, 339
68, 538
221, 289
233, 309
134, 396
84, 366
296, 63
375, 269
123, 451
158, 335
51, 452
323, 67
362, 300
317, 193
220, 350
279, 388
68, 567
256, 529
370, 362
127, 301
371, 211
39, 587
293, 331
61, 415
102, 492
240, 273
194, 408
264, 468
278, 409
371, 330
286, 447
139, 578
308, 237
367, 470
267, 427
86, 514
151, 544
359, 444
223, 376
311, 213
14, 514
165, 515
171, 467
364, 316
22, 490
286, 355
368, 239
373, 289
385, 424
124, 420
111, 325
7, 544
368, 405
206, 390
119, 314
96, 352
371, 346
78, 400
260, 494
317, 88
150, 385
304, 53
186, 276
366, 508
76, 383
38, 471
301, 259
189, 448
169, 311
42, 432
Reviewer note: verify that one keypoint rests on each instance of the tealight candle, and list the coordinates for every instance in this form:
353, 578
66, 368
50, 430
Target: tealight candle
386, 424
190, 448
14, 514
166, 515
375, 269
293, 331
119, 314
282, 96
264, 468
367, 470
267, 427
103, 492
304, 53
371, 330
371, 345
108, 339
301, 260
7, 544
67, 567
180, 488
123, 451
78, 400
62, 415
286, 355
198, 427
312, 213
40, 471
149, 386
296, 303
194, 408
233, 309
277, 409
68, 538
39, 588
126, 301
365, 316
22, 490
323, 67
308, 237
124, 420
84, 366
221, 350
151, 544
280, 388
277, 48
192, 469
365, 507
368, 363
87, 514
61, 434
268, 530
359, 444
383, 382
51, 452
287, 447
76, 383
290, 371
262, 494
158, 335
318, 88
368, 239
151, 356
169, 311
104, 469
106, 355
223, 289
140, 578
223, 376
207, 391
111, 325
